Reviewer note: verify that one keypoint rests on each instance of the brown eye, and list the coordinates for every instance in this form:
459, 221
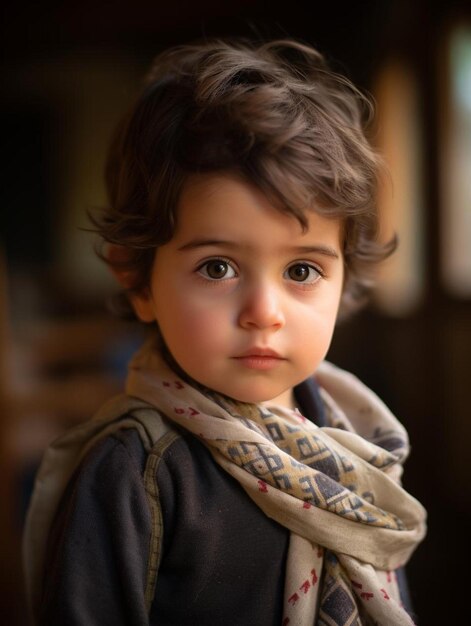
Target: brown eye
217, 269
303, 273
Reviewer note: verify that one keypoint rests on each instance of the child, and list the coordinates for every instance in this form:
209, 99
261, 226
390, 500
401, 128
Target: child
241, 479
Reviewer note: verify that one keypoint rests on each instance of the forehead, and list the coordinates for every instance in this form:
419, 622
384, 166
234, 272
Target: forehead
227, 206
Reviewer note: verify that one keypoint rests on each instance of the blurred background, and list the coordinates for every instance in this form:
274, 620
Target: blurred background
69, 72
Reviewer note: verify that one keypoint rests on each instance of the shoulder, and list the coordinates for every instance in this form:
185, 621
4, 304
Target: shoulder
332, 377
124, 458
110, 474
100, 537
342, 390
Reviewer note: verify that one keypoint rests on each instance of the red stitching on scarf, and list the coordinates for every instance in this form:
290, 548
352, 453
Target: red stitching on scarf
293, 599
262, 486
176, 383
305, 586
191, 412
366, 595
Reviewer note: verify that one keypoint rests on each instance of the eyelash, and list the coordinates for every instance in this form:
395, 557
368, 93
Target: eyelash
300, 284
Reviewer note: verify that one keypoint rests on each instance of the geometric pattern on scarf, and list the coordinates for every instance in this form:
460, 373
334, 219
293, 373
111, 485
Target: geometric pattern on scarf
336, 488
337, 603
304, 466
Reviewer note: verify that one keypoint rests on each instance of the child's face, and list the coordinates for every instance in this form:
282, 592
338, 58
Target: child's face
239, 278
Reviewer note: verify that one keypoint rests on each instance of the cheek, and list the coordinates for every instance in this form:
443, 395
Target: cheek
185, 322
313, 325
319, 312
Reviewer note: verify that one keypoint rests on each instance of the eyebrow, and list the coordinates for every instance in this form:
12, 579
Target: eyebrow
202, 243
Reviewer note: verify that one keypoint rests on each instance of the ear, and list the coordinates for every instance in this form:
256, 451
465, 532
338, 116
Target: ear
141, 301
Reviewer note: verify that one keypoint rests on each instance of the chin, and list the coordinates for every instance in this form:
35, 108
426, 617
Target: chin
252, 396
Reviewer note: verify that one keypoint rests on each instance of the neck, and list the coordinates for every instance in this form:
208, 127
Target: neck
285, 399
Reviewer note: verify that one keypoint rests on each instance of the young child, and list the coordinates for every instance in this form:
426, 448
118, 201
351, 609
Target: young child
241, 479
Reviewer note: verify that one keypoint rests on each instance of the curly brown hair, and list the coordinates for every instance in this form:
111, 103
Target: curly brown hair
273, 113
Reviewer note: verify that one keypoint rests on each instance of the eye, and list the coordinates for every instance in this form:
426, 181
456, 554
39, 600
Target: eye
217, 269
303, 273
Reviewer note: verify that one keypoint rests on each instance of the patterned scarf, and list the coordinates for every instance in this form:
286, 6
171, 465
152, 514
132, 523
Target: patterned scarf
335, 488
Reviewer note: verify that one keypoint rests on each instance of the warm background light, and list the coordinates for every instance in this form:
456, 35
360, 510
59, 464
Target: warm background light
400, 281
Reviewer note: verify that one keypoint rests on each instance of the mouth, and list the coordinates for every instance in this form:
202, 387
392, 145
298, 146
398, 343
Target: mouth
259, 358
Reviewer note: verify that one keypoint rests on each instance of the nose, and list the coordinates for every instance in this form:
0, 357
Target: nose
261, 309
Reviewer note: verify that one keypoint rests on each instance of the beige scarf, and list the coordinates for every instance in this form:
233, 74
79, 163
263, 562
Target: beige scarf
335, 488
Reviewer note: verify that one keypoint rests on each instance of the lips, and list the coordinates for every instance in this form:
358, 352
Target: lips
262, 359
